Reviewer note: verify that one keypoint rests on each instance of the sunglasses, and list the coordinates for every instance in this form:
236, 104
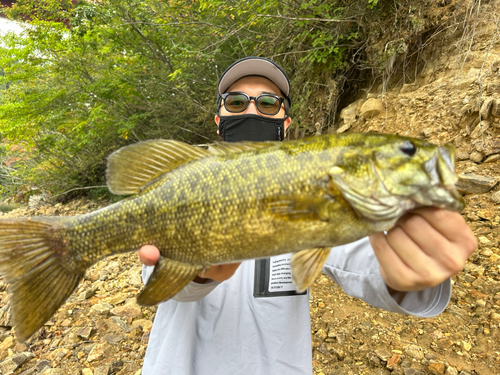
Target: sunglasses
267, 104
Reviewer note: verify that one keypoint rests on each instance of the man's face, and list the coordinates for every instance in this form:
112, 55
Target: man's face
254, 86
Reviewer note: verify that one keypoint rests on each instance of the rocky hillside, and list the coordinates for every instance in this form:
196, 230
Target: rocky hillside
450, 94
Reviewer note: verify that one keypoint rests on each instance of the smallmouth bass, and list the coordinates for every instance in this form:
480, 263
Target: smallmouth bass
225, 203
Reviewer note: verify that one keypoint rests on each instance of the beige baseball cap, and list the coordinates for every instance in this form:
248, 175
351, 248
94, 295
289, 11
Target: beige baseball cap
254, 66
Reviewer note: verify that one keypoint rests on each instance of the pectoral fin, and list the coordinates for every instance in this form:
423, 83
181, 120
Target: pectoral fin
300, 207
306, 265
168, 279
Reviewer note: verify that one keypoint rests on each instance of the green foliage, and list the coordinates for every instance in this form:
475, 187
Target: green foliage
88, 77
6, 207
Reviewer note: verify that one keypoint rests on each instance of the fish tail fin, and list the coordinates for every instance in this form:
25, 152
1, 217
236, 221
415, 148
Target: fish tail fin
36, 261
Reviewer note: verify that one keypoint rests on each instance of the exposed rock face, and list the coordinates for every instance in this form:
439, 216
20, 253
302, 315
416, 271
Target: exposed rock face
455, 98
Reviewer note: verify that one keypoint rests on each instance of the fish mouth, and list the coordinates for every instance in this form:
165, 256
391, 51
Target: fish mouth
442, 179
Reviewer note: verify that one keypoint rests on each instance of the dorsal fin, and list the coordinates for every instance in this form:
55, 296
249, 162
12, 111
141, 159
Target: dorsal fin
132, 167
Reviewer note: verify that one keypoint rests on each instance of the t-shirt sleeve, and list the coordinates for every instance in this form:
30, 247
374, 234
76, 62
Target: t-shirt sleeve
355, 269
190, 293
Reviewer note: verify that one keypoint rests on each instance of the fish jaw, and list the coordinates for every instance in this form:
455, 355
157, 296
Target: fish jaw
441, 172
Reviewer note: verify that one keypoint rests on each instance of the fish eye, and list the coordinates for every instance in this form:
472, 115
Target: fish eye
408, 147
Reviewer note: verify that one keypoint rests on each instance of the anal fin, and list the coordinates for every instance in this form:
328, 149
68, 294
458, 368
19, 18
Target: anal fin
167, 279
306, 265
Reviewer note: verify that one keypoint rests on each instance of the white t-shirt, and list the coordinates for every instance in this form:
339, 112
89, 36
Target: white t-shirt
221, 328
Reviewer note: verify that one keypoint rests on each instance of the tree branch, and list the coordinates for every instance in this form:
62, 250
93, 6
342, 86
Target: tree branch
308, 19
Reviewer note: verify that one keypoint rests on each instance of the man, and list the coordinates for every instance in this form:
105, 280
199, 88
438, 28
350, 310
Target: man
230, 320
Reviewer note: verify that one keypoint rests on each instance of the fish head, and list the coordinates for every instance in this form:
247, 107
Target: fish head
388, 175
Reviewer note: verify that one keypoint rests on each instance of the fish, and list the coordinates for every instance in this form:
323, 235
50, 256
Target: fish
222, 203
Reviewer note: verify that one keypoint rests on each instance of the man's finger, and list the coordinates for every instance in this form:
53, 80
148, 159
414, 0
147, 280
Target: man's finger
450, 224
149, 255
395, 272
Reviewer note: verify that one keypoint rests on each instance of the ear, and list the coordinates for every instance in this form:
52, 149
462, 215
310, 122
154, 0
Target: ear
286, 123
217, 120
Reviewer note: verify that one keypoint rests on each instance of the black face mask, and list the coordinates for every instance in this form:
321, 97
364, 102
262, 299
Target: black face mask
251, 128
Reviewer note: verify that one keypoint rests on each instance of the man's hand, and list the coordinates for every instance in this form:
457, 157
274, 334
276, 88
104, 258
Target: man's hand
149, 255
424, 248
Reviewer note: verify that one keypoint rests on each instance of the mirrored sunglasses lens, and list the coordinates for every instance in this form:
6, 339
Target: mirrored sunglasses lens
236, 102
268, 105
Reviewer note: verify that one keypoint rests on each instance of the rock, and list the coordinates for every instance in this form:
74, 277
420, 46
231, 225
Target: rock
129, 310
53, 371
116, 299
487, 145
102, 370
371, 108
6, 316
476, 156
115, 366
320, 335
87, 371
7, 344
492, 158
467, 80
85, 333
113, 338
343, 128
461, 156
98, 351
413, 371
31, 371
58, 354
135, 279
116, 324
451, 371
495, 259
474, 184
427, 132
71, 338
484, 241
486, 107
415, 351
373, 359
350, 113
495, 317
10, 364
86, 294
436, 368
495, 108
393, 361
147, 324
42, 365
383, 354
465, 345
487, 214
480, 129
339, 352
101, 308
